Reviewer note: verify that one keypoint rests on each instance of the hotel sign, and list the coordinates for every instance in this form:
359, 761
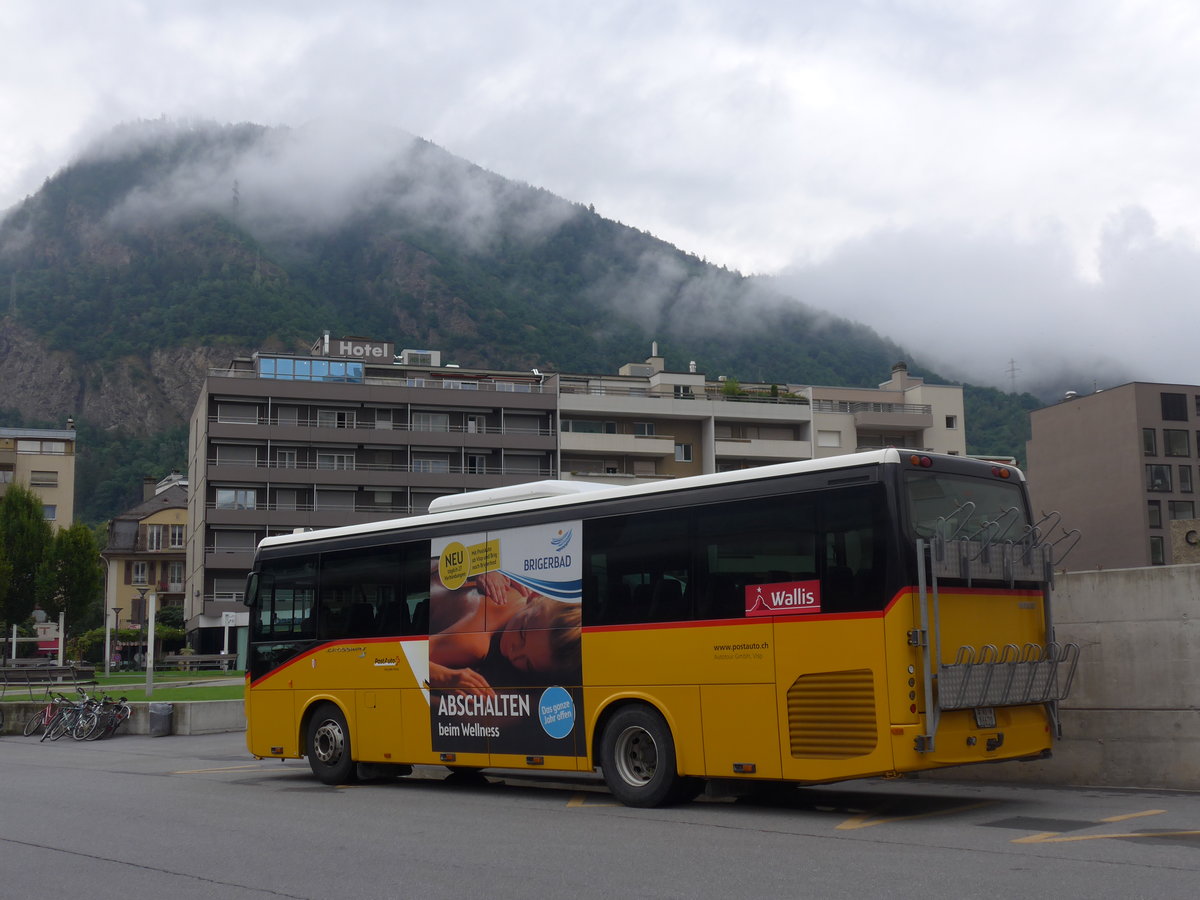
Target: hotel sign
368, 351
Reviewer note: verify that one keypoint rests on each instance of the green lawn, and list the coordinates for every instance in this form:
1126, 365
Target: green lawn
168, 686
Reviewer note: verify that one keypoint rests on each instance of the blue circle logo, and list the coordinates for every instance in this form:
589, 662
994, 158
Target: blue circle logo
556, 710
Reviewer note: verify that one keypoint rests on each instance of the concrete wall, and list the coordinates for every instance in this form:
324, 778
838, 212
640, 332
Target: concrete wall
1133, 716
194, 717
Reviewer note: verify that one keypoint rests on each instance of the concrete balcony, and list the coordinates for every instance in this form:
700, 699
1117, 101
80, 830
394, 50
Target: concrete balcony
618, 444
892, 416
765, 450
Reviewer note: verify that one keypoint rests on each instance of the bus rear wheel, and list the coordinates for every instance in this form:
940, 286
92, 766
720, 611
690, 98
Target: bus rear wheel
328, 746
637, 755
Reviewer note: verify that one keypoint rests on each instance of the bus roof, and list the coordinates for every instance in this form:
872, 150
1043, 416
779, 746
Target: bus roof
541, 495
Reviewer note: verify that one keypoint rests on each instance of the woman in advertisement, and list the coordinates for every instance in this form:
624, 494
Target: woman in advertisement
506, 633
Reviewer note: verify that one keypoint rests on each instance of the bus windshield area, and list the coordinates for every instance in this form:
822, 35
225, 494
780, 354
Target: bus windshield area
966, 508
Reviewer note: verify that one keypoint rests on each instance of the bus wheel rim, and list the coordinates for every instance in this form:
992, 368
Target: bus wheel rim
636, 756
329, 742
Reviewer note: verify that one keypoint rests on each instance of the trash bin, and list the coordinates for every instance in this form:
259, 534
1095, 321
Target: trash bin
161, 715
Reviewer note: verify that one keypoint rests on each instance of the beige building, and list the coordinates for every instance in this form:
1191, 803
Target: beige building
1120, 466
902, 412
44, 460
144, 555
650, 423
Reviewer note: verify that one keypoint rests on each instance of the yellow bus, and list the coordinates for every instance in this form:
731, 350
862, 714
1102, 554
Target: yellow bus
870, 614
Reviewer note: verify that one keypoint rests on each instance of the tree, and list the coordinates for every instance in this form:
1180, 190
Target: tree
25, 536
71, 576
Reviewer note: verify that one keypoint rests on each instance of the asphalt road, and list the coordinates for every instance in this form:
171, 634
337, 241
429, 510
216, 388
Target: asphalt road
195, 817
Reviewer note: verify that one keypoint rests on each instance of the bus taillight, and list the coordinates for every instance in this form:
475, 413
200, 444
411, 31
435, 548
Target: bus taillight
923, 461
1001, 472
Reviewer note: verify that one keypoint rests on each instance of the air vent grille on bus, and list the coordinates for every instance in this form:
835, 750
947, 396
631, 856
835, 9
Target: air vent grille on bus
831, 715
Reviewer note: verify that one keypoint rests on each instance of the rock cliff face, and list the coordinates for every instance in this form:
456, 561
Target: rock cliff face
140, 395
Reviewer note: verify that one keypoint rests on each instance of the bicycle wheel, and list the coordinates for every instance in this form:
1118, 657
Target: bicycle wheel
54, 723
101, 726
36, 722
61, 725
85, 723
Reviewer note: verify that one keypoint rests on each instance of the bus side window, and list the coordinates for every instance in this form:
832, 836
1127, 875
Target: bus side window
639, 566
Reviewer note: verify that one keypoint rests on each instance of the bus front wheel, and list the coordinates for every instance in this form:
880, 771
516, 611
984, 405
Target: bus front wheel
637, 755
328, 746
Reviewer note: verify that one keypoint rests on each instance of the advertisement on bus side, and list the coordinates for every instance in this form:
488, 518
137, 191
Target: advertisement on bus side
504, 641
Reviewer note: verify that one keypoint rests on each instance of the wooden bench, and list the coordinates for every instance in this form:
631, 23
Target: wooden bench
192, 661
31, 676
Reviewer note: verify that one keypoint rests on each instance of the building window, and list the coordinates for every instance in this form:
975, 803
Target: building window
1181, 509
343, 461
285, 459
428, 421
643, 429
439, 466
45, 448
952, 423
332, 418
588, 426
1174, 407
1149, 442
476, 425
141, 573
175, 575
43, 479
6, 474
154, 537
1158, 478
829, 439
49, 512
476, 464
237, 413
683, 453
1176, 442
1157, 553
1155, 509
236, 498
1185, 479
177, 536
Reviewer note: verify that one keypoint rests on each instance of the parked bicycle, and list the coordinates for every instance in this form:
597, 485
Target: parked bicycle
44, 716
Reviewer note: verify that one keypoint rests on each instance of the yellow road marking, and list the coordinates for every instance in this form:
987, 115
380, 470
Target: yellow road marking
867, 820
1054, 837
1136, 815
578, 800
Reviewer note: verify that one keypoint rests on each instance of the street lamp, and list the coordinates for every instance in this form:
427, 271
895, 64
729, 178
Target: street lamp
108, 637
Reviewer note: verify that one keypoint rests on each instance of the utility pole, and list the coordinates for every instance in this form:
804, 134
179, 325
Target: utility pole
1012, 373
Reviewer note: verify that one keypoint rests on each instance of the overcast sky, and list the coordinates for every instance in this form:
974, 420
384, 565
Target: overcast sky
984, 182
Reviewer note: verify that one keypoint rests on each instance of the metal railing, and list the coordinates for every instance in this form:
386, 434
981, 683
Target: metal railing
540, 431
845, 406
415, 467
709, 393
439, 383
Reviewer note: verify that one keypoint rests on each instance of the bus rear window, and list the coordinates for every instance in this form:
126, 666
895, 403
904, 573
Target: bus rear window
961, 506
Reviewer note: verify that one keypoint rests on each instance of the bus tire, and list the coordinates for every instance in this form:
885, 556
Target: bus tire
328, 746
637, 756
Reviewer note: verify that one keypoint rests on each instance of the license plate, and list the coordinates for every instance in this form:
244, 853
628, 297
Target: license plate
985, 717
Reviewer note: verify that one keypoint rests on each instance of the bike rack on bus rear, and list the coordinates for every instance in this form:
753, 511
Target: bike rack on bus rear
991, 676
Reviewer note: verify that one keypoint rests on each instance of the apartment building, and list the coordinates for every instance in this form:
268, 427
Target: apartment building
1119, 465
145, 554
648, 423
42, 459
903, 411
350, 432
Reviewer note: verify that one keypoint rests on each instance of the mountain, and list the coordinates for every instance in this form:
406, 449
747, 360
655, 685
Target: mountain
168, 247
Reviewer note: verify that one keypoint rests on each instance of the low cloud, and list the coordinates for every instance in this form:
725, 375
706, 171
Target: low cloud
991, 307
